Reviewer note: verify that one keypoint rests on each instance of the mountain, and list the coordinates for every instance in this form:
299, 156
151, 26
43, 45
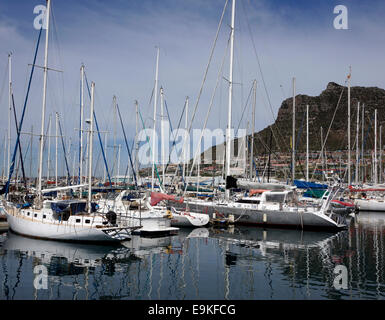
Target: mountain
331, 103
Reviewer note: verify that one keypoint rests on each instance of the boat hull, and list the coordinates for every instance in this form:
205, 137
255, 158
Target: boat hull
370, 205
192, 220
60, 231
273, 218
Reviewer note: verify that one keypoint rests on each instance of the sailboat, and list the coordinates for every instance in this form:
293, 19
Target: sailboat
137, 209
66, 220
278, 207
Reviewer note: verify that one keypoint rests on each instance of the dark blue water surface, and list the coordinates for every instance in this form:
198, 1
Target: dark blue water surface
236, 263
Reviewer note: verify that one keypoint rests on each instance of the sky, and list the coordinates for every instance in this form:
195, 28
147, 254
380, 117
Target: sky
117, 40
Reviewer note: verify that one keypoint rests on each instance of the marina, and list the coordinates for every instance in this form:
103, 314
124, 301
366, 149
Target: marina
225, 185
238, 263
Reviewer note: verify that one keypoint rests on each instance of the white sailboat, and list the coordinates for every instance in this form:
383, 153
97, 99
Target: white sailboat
65, 220
138, 211
277, 207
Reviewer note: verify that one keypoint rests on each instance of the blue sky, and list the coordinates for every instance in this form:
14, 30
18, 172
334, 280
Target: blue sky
116, 41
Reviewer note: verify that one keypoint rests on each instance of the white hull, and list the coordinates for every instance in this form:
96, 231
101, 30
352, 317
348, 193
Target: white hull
370, 205
189, 219
35, 226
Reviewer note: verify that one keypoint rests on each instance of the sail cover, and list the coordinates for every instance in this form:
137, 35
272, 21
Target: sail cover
157, 197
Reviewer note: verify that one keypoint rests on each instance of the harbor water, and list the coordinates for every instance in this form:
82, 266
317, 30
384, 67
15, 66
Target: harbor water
234, 263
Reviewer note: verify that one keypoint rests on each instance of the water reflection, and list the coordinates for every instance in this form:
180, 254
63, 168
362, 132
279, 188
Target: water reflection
234, 263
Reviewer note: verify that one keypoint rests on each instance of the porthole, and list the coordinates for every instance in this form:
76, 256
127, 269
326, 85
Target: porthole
78, 220
87, 221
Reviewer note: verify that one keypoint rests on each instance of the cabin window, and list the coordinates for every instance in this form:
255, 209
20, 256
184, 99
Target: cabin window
44, 216
78, 220
87, 221
27, 213
35, 215
275, 197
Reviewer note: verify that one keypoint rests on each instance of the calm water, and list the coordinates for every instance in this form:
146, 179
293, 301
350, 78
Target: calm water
237, 263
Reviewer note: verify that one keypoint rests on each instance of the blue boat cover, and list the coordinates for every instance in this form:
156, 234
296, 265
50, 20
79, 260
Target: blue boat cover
309, 185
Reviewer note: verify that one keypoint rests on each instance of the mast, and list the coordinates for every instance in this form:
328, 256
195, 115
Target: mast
114, 146
293, 139
228, 133
162, 133
4, 156
44, 101
375, 146
9, 109
104, 167
49, 147
185, 160
90, 148
56, 145
357, 149
380, 175
362, 140
154, 132
136, 138
307, 142
322, 155
81, 127
253, 129
31, 156
349, 173
119, 146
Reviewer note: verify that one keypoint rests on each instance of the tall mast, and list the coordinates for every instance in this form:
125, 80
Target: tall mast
90, 148
380, 175
228, 132
31, 155
114, 146
349, 173
357, 142
162, 133
44, 101
375, 146
9, 108
136, 138
253, 128
307, 142
362, 139
322, 155
104, 167
293, 138
119, 146
154, 133
56, 145
81, 127
185, 146
4, 156
49, 147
